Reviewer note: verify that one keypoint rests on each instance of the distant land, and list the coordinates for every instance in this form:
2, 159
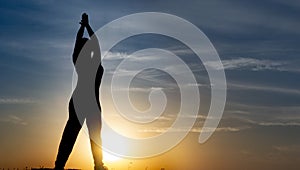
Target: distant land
41, 168
50, 169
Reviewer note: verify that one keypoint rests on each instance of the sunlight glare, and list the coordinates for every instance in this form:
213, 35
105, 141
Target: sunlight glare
110, 157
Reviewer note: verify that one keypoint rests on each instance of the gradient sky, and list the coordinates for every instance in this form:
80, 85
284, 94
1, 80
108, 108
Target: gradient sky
257, 41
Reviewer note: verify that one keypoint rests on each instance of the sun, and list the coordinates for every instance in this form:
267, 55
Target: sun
108, 157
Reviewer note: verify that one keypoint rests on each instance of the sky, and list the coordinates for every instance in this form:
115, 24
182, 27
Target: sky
257, 42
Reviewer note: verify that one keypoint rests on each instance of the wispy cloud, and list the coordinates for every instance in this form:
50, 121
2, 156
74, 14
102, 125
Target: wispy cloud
253, 64
17, 101
13, 119
289, 148
243, 63
114, 56
194, 129
279, 123
273, 122
258, 87
139, 89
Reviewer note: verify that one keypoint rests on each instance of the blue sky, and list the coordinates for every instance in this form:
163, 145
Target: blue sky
257, 41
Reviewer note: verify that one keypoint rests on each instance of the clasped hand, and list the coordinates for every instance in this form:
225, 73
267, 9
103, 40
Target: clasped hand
84, 20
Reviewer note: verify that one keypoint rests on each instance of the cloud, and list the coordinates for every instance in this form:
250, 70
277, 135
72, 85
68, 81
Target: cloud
246, 63
115, 56
289, 148
243, 63
162, 118
198, 117
235, 86
279, 123
275, 122
14, 120
145, 56
194, 129
17, 101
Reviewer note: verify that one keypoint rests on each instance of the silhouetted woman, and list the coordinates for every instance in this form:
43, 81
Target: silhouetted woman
84, 103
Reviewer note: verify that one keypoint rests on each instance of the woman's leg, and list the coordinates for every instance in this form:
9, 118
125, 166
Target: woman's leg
97, 155
94, 126
69, 136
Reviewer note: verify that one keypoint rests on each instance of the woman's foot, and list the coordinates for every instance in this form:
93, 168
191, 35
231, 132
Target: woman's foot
100, 168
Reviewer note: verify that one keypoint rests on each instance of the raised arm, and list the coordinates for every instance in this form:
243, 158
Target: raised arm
90, 31
85, 22
78, 43
80, 32
93, 39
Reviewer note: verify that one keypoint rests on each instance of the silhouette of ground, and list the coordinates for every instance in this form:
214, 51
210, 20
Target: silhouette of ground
50, 169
